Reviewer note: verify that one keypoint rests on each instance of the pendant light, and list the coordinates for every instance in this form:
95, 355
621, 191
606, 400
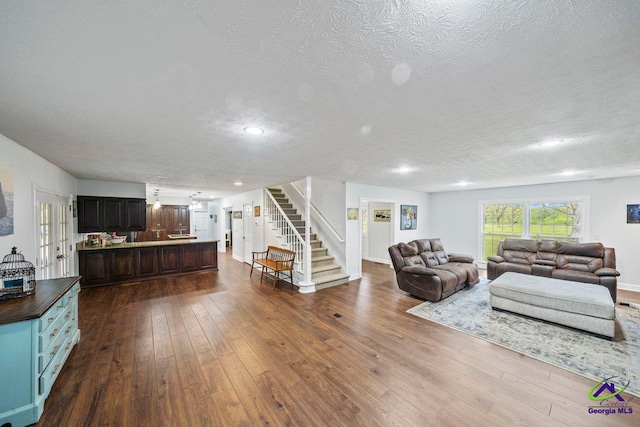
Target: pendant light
157, 204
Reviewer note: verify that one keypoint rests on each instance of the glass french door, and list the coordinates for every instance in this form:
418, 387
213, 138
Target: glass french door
52, 236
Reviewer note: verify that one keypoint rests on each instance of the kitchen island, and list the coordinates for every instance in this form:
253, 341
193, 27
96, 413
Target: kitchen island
129, 262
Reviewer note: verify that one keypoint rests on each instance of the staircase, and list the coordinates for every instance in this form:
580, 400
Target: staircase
324, 270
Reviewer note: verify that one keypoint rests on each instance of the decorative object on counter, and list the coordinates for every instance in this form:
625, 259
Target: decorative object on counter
17, 276
117, 240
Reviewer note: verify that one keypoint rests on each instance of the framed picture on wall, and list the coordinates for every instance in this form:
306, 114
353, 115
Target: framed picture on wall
408, 217
633, 214
382, 215
6, 199
256, 211
237, 214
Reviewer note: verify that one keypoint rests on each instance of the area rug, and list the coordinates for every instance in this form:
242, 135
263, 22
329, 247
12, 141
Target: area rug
580, 352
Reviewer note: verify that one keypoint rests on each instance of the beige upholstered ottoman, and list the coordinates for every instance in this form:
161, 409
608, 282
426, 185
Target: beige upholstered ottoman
578, 305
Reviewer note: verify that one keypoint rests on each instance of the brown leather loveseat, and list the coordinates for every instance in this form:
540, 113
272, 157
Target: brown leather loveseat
425, 270
578, 262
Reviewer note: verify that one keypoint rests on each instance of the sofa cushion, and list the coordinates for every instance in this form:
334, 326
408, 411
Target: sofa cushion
461, 273
578, 263
448, 279
430, 258
438, 249
594, 250
423, 245
520, 245
414, 260
519, 257
408, 249
575, 276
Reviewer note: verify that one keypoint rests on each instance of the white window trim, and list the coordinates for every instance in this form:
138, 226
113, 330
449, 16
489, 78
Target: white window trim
586, 214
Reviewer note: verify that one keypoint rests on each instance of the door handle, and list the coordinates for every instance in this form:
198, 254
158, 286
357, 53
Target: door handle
60, 257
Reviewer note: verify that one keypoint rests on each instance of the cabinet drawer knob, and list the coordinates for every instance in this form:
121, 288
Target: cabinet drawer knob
55, 350
53, 334
55, 370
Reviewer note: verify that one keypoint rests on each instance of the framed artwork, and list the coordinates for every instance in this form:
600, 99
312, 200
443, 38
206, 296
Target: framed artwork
352, 214
237, 214
633, 214
256, 211
408, 217
6, 199
382, 215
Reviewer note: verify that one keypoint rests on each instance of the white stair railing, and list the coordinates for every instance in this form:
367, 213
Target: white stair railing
291, 237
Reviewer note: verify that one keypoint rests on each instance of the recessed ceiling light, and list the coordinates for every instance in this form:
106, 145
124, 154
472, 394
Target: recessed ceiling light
238, 183
569, 173
254, 130
550, 143
404, 169
462, 183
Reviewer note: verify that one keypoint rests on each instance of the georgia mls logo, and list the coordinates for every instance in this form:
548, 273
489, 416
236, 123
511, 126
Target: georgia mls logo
605, 390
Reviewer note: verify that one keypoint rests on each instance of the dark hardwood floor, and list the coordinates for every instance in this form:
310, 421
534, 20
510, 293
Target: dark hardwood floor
220, 349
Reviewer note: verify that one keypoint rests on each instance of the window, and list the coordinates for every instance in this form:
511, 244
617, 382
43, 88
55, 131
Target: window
549, 220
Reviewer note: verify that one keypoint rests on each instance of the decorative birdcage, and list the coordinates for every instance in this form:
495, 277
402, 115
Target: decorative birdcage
17, 276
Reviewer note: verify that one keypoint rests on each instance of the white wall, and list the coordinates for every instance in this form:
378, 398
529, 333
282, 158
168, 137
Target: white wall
454, 216
355, 192
31, 170
91, 187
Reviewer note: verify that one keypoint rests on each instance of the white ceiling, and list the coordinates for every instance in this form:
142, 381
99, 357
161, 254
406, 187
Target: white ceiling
352, 90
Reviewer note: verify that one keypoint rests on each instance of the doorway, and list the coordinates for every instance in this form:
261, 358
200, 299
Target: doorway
53, 244
376, 230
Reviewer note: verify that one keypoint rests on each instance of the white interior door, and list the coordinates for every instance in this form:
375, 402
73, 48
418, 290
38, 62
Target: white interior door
201, 225
52, 236
364, 218
247, 232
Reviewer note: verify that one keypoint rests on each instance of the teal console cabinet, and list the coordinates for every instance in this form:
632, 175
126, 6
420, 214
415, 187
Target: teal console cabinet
37, 334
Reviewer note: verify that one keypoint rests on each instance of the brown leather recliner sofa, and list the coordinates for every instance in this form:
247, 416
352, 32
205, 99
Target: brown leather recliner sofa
425, 270
578, 262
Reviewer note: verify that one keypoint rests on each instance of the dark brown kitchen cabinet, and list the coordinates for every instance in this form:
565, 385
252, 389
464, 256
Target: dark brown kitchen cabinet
89, 214
111, 214
165, 220
112, 218
169, 257
179, 219
135, 214
129, 262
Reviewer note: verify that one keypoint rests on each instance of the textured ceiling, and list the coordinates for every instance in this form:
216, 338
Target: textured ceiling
450, 91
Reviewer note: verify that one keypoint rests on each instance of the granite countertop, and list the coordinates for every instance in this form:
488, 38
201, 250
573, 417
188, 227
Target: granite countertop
82, 246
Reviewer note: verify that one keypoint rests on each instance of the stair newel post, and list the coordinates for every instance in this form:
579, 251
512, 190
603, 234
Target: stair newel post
307, 286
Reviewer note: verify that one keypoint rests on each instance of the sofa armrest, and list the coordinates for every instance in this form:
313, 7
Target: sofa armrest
545, 262
495, 258
460, 258
606, 272
419, 269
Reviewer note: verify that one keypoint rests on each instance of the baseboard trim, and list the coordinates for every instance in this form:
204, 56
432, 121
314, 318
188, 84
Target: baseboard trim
629, 287
378, 260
